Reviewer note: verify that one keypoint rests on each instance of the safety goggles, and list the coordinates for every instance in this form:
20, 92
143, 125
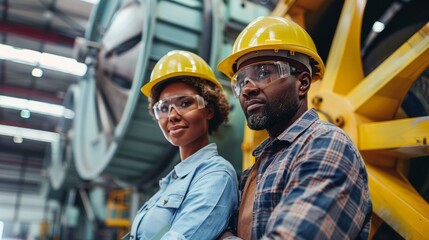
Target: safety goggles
260, 74
182, 105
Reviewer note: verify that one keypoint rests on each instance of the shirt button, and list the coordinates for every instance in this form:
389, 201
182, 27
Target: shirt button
175, 175
165, 201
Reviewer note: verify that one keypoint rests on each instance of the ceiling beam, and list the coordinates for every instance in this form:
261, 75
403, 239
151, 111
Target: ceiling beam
36, 33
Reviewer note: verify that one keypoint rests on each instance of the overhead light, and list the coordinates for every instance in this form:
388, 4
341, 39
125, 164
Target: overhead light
37, 72
378, 27
19, 133
17, 139
91, 1
25, 113
43, 60
48, 15
36, 107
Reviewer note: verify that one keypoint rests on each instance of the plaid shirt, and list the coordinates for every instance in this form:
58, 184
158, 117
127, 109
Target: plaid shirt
311, 184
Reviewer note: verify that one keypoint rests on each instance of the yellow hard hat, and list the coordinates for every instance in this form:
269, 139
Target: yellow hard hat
178, 63
275, 34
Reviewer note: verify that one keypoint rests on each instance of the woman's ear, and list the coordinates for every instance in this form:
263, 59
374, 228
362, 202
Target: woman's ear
210, 111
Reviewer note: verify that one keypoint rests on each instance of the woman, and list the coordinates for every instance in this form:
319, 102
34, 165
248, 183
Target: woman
197, 198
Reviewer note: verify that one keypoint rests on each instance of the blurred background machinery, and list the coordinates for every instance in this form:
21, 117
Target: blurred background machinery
79, 152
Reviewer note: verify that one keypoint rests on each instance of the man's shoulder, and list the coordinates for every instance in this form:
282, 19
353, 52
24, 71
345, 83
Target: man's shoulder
320, 127
328, 137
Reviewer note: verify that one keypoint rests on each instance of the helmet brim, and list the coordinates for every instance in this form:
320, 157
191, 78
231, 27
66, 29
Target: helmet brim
228, 65
147, 88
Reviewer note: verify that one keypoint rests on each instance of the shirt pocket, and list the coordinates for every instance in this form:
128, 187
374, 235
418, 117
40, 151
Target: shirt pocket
172, 200
167, 206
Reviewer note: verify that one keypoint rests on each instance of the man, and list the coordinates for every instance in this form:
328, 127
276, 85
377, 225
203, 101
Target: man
309, 180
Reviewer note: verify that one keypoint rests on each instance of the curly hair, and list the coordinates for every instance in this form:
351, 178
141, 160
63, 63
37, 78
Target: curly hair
206, 89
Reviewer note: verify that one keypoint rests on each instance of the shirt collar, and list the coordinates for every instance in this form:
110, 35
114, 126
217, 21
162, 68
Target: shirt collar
190, 163
299, 126
293, 131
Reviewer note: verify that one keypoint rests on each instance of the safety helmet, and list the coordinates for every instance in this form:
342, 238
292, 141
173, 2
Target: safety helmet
275, 34
178, 63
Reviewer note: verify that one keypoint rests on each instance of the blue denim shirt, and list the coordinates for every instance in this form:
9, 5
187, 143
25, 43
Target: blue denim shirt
195, 200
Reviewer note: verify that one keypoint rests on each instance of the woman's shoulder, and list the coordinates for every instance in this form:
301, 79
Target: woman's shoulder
216, 163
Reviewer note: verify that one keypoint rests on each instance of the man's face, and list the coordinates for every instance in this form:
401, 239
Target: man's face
270, 104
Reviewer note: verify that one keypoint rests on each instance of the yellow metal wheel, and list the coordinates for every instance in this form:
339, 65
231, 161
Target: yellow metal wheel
366, 103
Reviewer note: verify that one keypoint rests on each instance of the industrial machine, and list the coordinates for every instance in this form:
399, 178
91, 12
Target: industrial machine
376, 88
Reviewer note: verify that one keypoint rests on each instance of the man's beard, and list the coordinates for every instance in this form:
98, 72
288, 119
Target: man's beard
271, 116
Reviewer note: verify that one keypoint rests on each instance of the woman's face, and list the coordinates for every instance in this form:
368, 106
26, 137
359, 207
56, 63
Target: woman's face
188, 130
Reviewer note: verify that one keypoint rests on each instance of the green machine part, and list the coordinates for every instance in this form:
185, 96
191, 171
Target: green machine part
114, 135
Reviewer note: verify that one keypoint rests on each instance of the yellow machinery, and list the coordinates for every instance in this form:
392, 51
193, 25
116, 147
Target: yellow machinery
368, 108
118, 211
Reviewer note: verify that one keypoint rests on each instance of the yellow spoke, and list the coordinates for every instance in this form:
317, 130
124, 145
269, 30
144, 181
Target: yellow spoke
344, 65
282, 8
405, 138
398, 203
379, 95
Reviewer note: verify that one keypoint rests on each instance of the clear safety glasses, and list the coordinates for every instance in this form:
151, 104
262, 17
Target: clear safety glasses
182, 105
260, 74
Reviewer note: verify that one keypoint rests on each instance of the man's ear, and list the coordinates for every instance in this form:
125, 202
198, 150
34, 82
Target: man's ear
304, 83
